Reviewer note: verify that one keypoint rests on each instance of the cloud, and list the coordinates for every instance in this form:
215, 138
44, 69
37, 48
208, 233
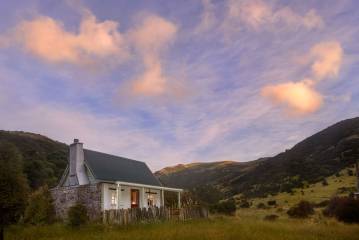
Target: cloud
250, 13
208, 18
256, 14
327, 59
46, 38
96, 43
151, 38
300, 97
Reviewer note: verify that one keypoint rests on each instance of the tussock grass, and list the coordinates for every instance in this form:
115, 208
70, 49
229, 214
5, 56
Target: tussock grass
212, 229
314, 192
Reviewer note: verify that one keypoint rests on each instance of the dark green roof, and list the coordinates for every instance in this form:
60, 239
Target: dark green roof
108, 167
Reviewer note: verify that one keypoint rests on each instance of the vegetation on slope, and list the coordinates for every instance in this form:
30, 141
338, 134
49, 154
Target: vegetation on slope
44, 160
339, 184
310, 161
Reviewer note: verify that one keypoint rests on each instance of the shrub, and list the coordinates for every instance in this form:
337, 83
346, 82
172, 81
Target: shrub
261, 206
302, 210
344, 209
350, 172
40, 209
272, 203
271, 217
77, 215
325, 182
227, 207
244, 203
323, 203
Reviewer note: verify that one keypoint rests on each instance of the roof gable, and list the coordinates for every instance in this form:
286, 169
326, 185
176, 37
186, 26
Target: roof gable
108, 167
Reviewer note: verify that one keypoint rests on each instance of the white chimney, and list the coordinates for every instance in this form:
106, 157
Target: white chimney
77, 172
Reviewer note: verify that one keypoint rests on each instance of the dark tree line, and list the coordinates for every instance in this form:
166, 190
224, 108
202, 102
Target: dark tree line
13, 186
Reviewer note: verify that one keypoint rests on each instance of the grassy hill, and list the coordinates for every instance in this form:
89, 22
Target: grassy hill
310, 161
44, 159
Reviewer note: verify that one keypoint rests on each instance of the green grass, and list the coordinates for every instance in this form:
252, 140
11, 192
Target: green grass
247, 224
313, 193
240, 227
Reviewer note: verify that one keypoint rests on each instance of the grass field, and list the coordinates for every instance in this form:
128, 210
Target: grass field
315, 192
247, 224
243, 226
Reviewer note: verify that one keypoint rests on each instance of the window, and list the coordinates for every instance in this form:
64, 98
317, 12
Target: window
113, 198
151, 200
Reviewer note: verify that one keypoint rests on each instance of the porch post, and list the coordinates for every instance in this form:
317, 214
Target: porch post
118, 195
162, 198
179, 199
143, 197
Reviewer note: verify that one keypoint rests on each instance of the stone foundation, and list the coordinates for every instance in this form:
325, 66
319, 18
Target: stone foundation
89, 195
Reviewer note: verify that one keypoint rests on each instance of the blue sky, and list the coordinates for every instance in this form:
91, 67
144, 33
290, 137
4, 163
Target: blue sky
170, 82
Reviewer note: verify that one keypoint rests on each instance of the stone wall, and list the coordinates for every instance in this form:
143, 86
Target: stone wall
89, 195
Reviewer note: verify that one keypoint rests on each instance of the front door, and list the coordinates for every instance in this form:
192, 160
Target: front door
135, 198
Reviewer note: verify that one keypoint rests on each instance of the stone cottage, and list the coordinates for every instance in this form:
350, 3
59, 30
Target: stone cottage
102, 181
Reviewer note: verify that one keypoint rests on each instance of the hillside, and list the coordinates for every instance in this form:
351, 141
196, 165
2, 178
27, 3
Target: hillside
310, 161
44, 160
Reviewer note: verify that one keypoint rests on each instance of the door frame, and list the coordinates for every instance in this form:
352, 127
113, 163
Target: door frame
137, 192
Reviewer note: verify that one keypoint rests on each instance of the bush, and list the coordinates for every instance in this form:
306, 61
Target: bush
272, 203
261, 206
244, 203
302, 210
325, 182
323, 203
40, 209
227, 207
344, 209
271, 217
77, 215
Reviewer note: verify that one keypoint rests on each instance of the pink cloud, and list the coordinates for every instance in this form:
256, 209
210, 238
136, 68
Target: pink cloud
46, 38
254, 14
151, 38
299, 97
327, 59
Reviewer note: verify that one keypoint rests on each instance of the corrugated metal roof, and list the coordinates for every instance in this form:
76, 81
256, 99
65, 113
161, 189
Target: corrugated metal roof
113, 168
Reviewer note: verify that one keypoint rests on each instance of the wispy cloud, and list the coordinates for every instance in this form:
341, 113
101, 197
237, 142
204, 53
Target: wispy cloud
208, 18
261, 15
151, 38
235, 91
327, 57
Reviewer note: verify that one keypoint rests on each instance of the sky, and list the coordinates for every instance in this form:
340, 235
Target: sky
170, 82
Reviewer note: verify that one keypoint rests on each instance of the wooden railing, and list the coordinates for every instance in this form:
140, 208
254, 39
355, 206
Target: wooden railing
153, 214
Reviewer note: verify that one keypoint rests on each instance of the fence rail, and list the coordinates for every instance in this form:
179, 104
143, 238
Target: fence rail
153, 214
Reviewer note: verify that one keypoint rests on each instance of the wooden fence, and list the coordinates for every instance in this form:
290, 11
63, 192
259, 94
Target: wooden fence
153, 214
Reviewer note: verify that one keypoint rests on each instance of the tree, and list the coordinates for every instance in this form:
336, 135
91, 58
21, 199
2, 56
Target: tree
301, 210
13, 186
345, 209
40, 209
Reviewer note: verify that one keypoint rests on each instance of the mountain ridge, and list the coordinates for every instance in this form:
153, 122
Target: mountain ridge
311, 160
